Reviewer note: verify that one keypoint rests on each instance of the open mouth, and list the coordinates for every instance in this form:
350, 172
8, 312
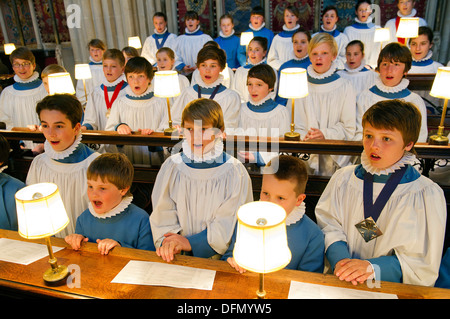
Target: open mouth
54, 142
97, 204
375, 157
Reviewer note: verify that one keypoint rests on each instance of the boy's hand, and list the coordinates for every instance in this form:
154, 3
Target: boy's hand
105, 245
233, 264
145, 131
75, 240
353, 270
171, 245
314, 134
124, 129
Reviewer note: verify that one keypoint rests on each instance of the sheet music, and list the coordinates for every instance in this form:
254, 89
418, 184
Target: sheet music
22, 252
163, 274
301, 290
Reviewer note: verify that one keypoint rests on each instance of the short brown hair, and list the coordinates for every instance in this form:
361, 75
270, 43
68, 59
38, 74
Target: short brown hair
289, 168
210, 52
97, 43
115, 168
206, 110
114, 54
395, 52
22, 53
65, 103
168, 51
264, 72
139, 65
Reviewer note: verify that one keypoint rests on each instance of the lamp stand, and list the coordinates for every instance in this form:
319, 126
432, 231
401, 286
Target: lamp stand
261, 294
292, 136
439, 138
85, 93
55, 273
169, 131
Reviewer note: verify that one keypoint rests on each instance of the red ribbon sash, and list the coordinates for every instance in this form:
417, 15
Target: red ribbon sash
115, 94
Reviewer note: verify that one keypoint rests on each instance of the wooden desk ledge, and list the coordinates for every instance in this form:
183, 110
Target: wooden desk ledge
97, 272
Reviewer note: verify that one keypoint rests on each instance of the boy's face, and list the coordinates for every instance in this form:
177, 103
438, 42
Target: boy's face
200, 136
257, 89
329, 19
209, 71
300, 43
405, 6
256, 53
354, 56
256, 21
58, 129
363, 12
112, 69
138, 82
391, 72
281, 192
420, 47
164, 62
104, 195
321, 58
290, 19
96, 54
160, 24
192, 24
383, 147
45, 82
24, 69
226, 26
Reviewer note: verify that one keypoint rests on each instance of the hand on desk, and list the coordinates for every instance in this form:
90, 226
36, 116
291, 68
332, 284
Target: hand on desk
354, 270
104, 245
171, 245
75, 240
233, 264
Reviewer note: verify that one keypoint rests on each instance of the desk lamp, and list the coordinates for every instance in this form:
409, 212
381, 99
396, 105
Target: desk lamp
9, 48
167, 85
41, 214
293, 85
134, 42
408, 28
83, 72
382, 35
60, 83
441, 89
246, 37
261, 240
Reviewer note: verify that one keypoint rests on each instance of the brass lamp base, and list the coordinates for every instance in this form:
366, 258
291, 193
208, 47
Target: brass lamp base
438, 140
292, 136
169, 131
56, 274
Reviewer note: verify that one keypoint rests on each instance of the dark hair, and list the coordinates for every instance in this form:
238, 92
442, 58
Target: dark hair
226, 16
289, 168
302, 30
359, 2
257, 10
356, 42
167, 50
395, 114
114, 54
262, 41
22, 53
396, 52
191, 15
139, 65
214, 53
211, 43
426, 31
161, 15
131, 51
4, 151
293, 10
264, 72
97, 43
329, 8
65, 103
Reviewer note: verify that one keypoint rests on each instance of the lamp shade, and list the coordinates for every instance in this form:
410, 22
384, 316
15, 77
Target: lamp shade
166, 84
82, 72
246, 37
261, 240
293, 83
40, 211
9, 48
408, 28
382, 35
225, 73
441, 84
60, 83
134, 42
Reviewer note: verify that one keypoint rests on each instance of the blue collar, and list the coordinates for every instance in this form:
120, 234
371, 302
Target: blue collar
333, 33
423, 62
287, 34
80, 154
19, 86
362, 26
267, 106
326, 80
147, 96
411, 175
198, 32
112, 88
364, 69
215, 162
397, 95
160, 36
294, 63
95, 63
209, 91
249, 65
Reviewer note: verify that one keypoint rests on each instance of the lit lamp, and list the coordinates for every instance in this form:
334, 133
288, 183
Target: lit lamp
9, 48
225, 73
167, 85
382, 35
261, 240
134, 42
83, 72
408, 28
246, 37
293, 85
60, 83
41, 214
440, 89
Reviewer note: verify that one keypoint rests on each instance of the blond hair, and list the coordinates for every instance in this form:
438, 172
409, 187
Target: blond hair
322, 38
51, 69
206, 110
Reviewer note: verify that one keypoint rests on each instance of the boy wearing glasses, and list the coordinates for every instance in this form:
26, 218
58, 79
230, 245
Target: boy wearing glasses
18, 101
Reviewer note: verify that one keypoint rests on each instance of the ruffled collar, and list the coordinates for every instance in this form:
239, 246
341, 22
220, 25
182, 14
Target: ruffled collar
32, 78
114, 83
296, 214
249, 65
426, 58
210, 155
301, 59
148, 94
391, 89
126, 201
270, 96
92, 62
368, 21
63, 154
411, 15
199, 81
312, 73
407, 159
226, 36
329, 31
193, 32
260, 28
285, 28
355, 70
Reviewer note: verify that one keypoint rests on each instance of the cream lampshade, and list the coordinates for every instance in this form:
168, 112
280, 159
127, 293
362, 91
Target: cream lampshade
41, 214
440, 89
60, 83
293, 85
382, 35
225, 73
166, 86
83, 72
261, 240
408, 28
134, 42
9, 48
246, 37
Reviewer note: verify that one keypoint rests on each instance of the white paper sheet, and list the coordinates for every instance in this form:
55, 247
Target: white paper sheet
301, 290
162, 274
22, 252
